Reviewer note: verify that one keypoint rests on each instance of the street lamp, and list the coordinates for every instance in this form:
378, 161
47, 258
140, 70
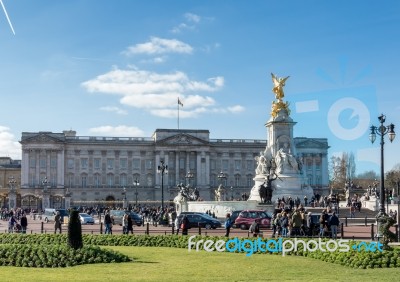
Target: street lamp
136, 184
162, 169
382, 130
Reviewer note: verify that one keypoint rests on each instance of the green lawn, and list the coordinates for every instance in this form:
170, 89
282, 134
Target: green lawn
171, 264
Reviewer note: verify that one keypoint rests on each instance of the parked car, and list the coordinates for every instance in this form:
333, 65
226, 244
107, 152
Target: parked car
200, 219
247, 217
136, 218
116, 216
49, 214
235, 215
85, 218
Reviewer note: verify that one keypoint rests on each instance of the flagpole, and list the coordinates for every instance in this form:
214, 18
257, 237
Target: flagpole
178, 113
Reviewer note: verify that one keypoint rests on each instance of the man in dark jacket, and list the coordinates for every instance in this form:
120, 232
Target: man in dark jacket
24, 223
334, 223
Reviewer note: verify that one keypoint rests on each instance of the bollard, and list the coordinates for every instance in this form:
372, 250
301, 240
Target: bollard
147, 229
372, 232
345, 220
173, 229
341, 231
101, 227
165, 232
366, 221
42, 227
199, 229
92, 232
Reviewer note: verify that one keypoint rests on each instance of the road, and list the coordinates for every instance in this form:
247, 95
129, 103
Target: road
36, 226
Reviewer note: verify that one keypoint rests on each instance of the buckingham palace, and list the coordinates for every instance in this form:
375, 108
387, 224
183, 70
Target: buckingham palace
63, 169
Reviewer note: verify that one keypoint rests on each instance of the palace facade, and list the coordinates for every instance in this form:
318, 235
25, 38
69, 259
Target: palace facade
62, 169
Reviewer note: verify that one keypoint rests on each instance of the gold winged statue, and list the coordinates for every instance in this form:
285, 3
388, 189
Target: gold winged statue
279, 83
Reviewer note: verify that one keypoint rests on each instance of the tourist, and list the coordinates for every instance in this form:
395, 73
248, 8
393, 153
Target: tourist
24, 223
334, 223
228, 224
57, 222
108, 223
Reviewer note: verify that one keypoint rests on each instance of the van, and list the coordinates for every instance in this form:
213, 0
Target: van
49, 214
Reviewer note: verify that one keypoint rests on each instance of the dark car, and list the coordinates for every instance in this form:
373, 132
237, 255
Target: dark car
200, 219
235, 215
136, 218
247, 217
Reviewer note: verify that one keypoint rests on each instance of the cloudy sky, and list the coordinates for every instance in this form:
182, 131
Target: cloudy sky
117, 68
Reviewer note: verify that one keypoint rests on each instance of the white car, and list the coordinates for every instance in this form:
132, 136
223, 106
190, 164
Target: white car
86, 219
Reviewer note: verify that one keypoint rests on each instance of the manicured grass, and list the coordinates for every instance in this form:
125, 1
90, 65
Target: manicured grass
173, 264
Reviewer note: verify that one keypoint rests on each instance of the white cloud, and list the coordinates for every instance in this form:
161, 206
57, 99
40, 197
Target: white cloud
114, 109
151, 90
236, 109
192, 17
117, 131
8, 146
158, 46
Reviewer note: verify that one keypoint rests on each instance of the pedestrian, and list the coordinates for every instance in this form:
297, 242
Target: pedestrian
130, 225
255, 227
323, 223
108, 223
125, 224
334, 223
228, 224
57, 222
24, 223
352, 211
11, 223
177, 225
185, 225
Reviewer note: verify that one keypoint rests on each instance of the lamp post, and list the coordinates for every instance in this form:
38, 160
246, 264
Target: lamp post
162, 169
136, 184
382, 130
124, 201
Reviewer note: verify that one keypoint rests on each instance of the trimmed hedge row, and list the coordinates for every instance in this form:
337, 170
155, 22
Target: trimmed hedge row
62, 255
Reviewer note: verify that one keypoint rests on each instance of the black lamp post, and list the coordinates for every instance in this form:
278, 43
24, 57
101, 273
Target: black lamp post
382, 130
136, 184
162, 169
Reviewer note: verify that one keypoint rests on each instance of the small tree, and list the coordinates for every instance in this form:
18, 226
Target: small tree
75, 230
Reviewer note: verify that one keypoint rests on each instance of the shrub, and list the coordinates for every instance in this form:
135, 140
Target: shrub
75, 231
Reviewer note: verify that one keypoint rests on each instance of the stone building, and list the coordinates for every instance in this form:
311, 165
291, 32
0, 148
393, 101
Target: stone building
62, 169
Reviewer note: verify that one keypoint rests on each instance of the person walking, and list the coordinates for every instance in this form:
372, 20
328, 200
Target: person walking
185, 225
334, 223
177, 225
108, 223
57, 223
255, 227
228, 224
24, 223
130, 225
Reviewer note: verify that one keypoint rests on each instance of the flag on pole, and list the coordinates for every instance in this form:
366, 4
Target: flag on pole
179, 102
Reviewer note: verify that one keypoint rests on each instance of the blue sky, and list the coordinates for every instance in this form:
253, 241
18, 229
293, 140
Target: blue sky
116, 68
